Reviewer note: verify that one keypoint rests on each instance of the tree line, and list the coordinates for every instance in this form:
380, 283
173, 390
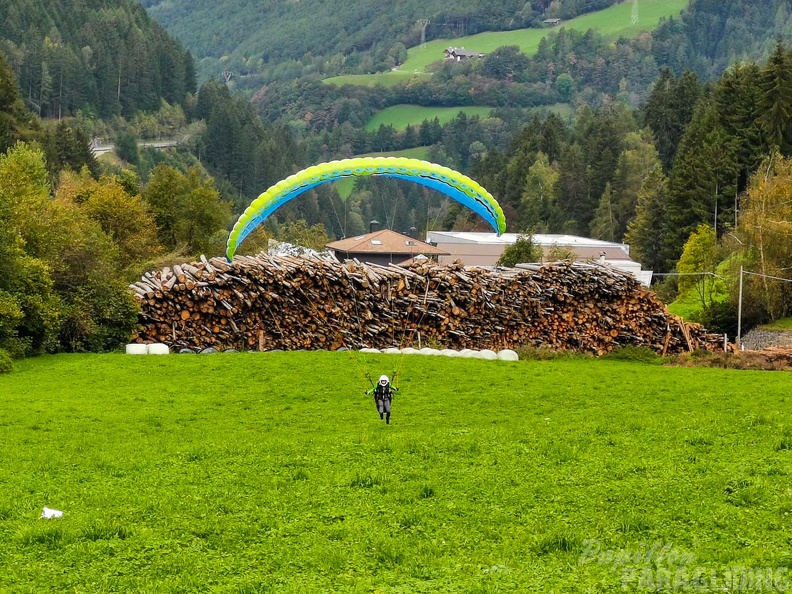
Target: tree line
74, 234
105, 59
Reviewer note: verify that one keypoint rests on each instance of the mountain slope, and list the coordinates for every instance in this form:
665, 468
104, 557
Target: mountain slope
277, 31
102, 56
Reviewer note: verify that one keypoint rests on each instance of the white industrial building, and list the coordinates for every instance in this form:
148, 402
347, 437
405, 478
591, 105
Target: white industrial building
484, 249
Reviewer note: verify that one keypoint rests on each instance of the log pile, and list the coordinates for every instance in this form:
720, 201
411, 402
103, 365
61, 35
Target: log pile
281, 302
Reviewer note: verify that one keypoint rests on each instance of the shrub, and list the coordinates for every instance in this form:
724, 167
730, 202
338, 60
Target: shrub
720, 317
543, 353
641, 354
99, 318
6, 364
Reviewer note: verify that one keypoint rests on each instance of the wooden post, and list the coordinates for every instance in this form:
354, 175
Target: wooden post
739, 312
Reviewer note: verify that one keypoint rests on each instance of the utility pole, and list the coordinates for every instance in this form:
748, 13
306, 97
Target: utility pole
423, 24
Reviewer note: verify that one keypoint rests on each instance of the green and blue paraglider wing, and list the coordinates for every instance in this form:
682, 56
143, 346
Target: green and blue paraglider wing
452, 183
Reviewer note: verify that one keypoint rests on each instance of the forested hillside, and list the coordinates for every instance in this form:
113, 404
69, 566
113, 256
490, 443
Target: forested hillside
335, 35
103, 57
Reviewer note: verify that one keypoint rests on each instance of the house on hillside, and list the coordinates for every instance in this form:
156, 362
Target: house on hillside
460, 54
484, 249
384, 247
551, 22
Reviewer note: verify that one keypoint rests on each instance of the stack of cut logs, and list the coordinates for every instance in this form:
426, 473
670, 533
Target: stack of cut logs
280, 302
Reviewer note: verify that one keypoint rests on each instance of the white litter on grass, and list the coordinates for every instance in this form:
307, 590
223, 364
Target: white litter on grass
49, 513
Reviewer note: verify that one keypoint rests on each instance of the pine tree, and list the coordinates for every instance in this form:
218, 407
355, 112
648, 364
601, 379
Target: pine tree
775, 107
646, 232
702, 180
669, 110
737, 97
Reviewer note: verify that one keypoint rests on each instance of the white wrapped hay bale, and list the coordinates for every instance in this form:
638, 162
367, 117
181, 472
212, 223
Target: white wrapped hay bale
158, 348
429, 351
449, 353
508, 355
409, 351
136, 349
391, 351
367, 350
487, 355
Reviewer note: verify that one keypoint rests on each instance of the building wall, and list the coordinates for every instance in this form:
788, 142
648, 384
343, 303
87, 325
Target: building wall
472, 254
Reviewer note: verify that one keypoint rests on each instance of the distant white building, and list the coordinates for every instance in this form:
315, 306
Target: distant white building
484, 249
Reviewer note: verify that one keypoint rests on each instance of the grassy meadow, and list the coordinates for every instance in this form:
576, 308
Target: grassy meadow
401, 116
612, 23
251, 473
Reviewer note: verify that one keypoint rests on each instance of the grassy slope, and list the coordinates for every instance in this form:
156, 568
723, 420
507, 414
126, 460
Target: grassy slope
419, 152
612, 22
782, 325
254, 473
401, 116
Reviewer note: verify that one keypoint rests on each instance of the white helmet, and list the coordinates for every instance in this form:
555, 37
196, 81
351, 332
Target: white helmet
383, 380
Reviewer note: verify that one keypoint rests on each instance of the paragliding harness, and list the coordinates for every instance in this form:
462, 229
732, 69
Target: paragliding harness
383, 395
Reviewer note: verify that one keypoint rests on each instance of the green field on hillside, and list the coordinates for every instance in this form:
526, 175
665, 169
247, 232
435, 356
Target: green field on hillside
418, 152
272, 473
401, 116
613, 22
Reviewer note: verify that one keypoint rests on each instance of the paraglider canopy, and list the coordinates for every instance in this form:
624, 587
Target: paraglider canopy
452, 183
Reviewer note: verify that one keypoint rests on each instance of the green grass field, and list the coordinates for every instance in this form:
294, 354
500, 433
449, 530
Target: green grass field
401, 116
612, 23
418, 152
272, 473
